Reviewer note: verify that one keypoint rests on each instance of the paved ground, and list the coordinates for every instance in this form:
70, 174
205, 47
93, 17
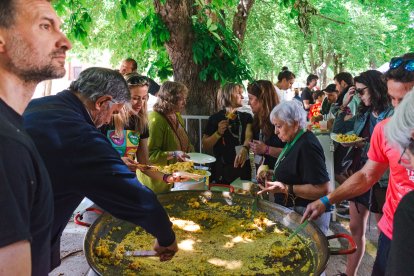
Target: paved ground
74, 262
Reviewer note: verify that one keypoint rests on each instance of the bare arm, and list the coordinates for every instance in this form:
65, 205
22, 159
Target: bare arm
306, 104
355, 185
15, 259
210, 141
306, 191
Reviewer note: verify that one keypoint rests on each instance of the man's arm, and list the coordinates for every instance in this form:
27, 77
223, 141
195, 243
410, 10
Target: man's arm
357, 184
15, 259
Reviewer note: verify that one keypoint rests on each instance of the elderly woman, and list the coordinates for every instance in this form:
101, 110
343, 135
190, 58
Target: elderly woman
299, 175
168, 141
228, 133
400, 132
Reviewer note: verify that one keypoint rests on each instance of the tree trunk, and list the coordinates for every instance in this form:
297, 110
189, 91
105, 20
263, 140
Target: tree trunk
240, 18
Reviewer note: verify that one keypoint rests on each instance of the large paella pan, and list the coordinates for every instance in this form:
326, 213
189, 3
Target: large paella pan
218, 234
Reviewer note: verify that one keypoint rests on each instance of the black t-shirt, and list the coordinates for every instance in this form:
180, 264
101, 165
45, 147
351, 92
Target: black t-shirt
304, 164
272, 141
224, 149
400, 260
26, 201
307, 95
128, 144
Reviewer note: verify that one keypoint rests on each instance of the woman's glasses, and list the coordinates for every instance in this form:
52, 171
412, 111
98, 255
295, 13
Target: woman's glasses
405, 159
398, 61
138, 80
360, 91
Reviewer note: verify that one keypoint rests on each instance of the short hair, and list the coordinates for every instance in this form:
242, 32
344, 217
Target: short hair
134, 63
169, 95
135, 79
344, 76
310, 78
290, 112
224, 94
400, 74
317, 94
285, 74
398, 130
8, 10
96, 82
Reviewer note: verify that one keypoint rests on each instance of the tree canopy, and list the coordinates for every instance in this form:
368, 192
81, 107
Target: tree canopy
229, 40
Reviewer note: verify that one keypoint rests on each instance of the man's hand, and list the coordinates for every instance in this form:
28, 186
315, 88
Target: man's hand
313, 211
132, 164
166, 253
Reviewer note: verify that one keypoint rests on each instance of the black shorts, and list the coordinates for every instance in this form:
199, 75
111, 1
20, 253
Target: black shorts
373, 199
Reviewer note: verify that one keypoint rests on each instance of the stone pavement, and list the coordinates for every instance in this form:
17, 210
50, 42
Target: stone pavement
74, 262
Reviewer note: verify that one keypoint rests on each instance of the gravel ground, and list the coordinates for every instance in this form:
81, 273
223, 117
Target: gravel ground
74, 262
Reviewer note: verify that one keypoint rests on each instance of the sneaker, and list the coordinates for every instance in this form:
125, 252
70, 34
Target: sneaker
342, 213
344, 204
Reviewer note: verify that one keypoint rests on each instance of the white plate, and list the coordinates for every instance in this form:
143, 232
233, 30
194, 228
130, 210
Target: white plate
201, 158
334, 137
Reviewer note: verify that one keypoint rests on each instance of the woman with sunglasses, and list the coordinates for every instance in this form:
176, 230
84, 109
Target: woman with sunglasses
373, 108
128, 132
228, 133
266, 145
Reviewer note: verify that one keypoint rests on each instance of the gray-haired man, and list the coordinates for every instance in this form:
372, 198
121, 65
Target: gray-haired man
82, 163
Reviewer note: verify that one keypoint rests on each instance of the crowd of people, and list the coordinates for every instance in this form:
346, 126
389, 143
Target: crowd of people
96, 139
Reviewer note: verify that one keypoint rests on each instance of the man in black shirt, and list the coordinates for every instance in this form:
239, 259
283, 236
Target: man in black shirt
32, 49
307, 96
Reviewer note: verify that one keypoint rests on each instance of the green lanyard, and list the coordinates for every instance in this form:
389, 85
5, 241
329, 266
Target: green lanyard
286, 150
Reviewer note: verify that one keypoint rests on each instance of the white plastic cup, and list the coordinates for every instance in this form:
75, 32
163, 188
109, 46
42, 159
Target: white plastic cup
323, 125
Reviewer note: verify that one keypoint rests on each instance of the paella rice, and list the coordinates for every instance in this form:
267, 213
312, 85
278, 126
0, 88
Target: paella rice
214, 239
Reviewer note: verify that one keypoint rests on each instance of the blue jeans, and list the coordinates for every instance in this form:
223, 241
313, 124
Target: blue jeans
380, 264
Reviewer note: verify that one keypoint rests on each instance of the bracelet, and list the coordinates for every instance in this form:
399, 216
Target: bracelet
267, 150
246, 147
326, 202
217, 134
165, 177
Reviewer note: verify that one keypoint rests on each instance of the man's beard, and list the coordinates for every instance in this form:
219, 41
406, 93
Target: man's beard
27, 64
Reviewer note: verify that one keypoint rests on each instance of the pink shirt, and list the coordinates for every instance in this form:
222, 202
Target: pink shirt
401, 180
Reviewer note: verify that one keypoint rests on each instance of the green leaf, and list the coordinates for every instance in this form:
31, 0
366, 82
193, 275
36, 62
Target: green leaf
123, 11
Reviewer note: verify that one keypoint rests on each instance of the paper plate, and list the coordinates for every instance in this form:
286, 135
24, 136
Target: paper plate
334, 137
201, 158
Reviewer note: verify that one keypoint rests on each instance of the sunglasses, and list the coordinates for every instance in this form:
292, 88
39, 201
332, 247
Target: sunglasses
138, 80
360, 91
398, 61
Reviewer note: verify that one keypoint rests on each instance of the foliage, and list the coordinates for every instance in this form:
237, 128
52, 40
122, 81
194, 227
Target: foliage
216, 48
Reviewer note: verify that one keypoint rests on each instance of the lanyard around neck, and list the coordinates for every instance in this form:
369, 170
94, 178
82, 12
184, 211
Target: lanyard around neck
287, 148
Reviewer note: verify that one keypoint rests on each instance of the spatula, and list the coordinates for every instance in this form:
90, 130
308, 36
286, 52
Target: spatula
298, 229
141, 253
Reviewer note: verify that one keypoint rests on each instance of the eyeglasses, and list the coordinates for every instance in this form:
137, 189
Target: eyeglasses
137, 80
360, 91
404, 159
398, 61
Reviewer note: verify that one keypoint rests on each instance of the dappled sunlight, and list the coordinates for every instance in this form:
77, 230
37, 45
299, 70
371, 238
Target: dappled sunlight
226, 264
187, 245
186, 225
